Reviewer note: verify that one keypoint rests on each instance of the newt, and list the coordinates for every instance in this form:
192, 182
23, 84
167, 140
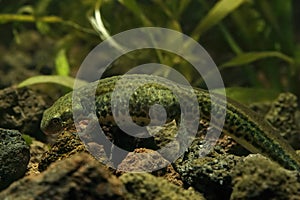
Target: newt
241, 123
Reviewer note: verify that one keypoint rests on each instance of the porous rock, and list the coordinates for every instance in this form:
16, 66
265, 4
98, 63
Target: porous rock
209, 172
77, 177
14, 156
22, 109
144, 186
259, 178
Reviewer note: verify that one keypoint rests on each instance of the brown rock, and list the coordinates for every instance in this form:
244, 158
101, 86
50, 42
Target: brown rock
37, 149
143, 160
68, 144
144, 186
77, 177
22, 109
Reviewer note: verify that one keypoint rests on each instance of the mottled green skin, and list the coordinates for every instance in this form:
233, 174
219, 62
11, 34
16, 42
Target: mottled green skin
241, 123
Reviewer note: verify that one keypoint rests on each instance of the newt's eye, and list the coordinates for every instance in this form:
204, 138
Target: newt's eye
54, 126
55, 122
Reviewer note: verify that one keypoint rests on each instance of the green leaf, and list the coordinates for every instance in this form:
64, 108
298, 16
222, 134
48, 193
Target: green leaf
42, 27
246, 58
249, 95
61, 63
5, 18
183, 4
60, 80
28, 9
98, 25
215, 15
134, 7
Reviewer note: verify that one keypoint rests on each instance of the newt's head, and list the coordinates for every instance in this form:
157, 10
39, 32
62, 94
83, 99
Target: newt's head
59, 116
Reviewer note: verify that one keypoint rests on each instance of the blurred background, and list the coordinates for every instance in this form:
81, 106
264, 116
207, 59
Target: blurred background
254, 43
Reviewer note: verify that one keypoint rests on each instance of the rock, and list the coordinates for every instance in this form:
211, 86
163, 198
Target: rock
171, 175
143, 160
282, 115
144, 186
163, 135
259, 178
209, 174
68, 144
77, 177
37, 149
22, 109
14, 156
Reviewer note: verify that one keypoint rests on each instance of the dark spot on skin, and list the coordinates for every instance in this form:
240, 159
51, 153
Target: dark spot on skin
142, 123
103, 113
247, 138
239, 129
